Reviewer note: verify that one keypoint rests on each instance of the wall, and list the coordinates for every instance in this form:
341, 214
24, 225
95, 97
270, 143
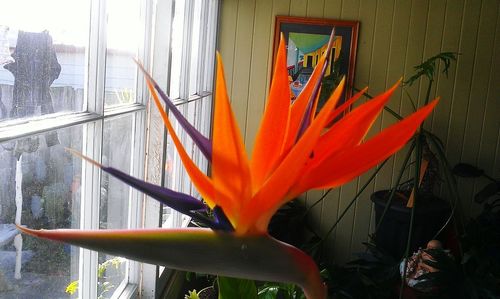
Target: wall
394, 36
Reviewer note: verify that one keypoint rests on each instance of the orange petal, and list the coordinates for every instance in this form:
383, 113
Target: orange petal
271, 135
230, 167
345, 105
299, 106
350, 130
199, 179
272, 195
352, 162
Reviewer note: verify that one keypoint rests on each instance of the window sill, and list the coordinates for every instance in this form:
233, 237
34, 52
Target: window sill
130, 291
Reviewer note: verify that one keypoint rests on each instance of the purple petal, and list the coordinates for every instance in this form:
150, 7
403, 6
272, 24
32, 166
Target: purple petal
221, 220
201, 141
178, 201
306, 119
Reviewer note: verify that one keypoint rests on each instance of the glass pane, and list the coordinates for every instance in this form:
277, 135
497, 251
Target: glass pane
177, 50
42, 57
176, 177
194, 72
114, 204
39, 188
124, 32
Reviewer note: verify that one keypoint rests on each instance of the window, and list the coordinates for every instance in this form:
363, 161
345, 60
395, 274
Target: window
190, 85
191, 77
67, 80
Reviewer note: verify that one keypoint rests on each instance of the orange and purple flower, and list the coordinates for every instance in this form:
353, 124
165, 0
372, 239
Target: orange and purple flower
297, 149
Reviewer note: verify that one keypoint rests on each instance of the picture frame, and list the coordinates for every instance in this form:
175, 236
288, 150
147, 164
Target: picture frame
306, 39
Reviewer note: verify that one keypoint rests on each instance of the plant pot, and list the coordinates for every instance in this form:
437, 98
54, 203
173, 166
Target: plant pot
431, 214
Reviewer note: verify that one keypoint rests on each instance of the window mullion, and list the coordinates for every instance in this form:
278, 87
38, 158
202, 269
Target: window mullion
135, 204
202, 45
186, 49
92, 144
89, 217
160, 53
96, 58
146, 16
210, 45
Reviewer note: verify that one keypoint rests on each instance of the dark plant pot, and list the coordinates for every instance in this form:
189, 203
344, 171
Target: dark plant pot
431, 214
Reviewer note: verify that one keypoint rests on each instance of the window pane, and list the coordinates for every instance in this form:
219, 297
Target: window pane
194, 72
176, 177
177, 50
39, 188
124, 32
114, 204
42, 57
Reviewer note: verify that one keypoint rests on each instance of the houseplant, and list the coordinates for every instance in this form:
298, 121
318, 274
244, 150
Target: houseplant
408, 217
481, 238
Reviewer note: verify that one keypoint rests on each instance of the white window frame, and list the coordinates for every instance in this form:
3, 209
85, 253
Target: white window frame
92, 120
202, 98
155, 54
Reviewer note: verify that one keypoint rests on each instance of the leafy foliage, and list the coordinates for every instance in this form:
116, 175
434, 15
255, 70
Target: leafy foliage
102, 286
272, 290
428, 67
230, 288
373, 276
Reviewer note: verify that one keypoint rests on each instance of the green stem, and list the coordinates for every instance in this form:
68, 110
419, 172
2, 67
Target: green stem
352, 202
428, 93
393, 189
418, 154
450, 180
394, 113
317, 202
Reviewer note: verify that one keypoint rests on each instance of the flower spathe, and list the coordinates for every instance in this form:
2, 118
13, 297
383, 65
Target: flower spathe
296, 149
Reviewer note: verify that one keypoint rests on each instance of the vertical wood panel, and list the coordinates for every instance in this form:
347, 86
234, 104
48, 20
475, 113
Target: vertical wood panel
332, 9
445, 85
298, 8
394, 37
378, 82
242, 61
330, 205
367, 26
396, 67
227, 40
433, 35
491, 121
366, 16
478, 95
343, 235
461, 94
315, 8
351, 9
414, 49
262, 38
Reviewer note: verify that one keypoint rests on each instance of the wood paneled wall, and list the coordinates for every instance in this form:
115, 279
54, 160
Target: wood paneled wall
395, 35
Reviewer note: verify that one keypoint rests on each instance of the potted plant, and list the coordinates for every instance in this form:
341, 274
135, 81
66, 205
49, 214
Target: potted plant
409, 214
481, 238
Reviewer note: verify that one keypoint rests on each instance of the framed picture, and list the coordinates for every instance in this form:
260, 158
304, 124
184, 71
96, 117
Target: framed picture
306, 40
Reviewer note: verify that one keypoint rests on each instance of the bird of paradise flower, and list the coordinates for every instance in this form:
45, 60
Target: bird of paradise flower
296, 149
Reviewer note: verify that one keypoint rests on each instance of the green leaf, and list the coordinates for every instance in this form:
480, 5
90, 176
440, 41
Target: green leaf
428, 67
230, 288
269, 292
